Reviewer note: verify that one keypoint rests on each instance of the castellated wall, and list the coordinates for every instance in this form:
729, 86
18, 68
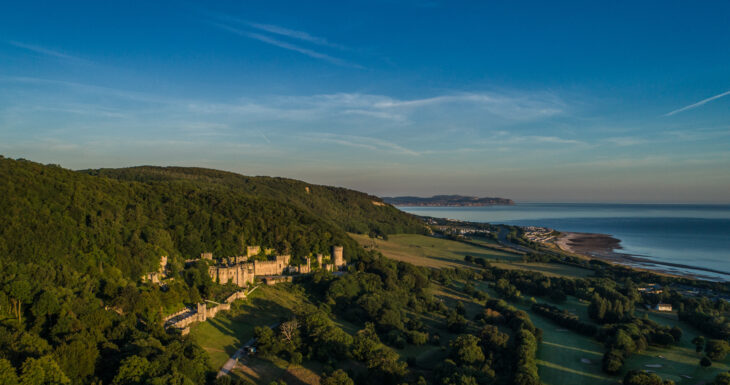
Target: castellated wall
275, 267
184, 318
305, 268
239, 271
239, 275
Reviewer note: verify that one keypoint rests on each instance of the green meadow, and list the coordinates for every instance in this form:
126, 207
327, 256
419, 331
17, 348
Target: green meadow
228, 331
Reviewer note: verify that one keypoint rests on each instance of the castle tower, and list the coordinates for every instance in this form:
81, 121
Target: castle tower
337, 258
320, 259
163, 265
201, 311
252, 250
208, 256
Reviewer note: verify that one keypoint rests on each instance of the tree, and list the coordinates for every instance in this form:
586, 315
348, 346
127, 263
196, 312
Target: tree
290, 332
77, 358
637, 377
705, 362
132, 371
676, 333
613, 360
8, 376
42, 371
338, 377
717, 349
455, 322
699, 343
365, 343
465, 350
266, 342
20, 292
491, 338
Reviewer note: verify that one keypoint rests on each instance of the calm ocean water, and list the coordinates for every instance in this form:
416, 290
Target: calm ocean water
695, 235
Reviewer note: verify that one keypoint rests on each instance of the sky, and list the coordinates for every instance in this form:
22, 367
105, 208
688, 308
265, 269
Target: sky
620, 101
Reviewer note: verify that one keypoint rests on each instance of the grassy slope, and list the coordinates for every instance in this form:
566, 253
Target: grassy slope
227, 332
428, 251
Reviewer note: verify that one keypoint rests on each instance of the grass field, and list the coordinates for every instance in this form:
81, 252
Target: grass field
265, 370
224, 334
433, 252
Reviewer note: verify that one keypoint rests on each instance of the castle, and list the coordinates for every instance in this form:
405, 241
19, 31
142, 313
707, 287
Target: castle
241, 270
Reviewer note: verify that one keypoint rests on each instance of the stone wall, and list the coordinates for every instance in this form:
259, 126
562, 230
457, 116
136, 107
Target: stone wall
239, 271
240, 274
305, 268
185, 317
275, 267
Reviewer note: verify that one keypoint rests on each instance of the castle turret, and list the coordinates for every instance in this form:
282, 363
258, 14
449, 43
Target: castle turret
201, 311
252, 250
337, 258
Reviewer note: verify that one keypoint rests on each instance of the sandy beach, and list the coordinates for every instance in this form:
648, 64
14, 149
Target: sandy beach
607, 248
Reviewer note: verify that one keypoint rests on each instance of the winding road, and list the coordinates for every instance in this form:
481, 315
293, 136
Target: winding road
503, 231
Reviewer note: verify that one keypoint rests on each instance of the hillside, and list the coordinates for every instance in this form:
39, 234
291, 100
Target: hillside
73, 247
353, 211
447, 201
76, 219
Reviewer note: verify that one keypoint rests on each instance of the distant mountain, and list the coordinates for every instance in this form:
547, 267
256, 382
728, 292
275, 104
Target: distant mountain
447, 200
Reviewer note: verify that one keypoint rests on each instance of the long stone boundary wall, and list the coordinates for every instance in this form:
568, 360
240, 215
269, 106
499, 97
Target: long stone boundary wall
184, 318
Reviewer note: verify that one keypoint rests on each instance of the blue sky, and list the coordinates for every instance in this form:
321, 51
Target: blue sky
620, 101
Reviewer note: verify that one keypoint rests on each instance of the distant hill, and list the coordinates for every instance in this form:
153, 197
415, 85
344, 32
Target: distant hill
351, 210
447, 201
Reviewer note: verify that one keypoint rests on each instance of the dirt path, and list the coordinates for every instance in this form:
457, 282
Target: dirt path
239, 355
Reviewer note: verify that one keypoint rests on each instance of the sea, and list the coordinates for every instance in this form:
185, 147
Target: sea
687, 234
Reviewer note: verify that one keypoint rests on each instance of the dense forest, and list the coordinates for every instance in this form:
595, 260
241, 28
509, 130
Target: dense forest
353, 211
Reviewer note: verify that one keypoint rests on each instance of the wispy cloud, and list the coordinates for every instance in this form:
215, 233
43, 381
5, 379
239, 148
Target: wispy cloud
47, 51
286, 45
507, 107
695, 105
367, 143
625, 141
294, 34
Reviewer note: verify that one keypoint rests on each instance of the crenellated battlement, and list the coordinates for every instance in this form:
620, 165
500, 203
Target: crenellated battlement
242, 271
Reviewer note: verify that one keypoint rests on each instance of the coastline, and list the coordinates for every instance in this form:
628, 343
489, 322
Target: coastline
604, 247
